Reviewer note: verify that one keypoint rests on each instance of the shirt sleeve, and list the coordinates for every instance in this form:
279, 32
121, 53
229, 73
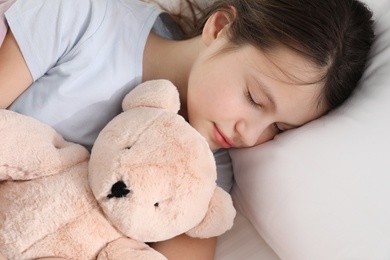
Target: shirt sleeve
46, 30
224, 169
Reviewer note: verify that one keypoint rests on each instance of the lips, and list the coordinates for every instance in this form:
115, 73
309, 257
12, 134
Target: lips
223, 141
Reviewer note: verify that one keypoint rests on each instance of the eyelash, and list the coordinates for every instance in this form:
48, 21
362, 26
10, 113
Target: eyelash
251, 100
278, 130
256, 105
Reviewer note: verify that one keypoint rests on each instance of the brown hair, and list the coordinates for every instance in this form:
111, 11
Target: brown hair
334, 34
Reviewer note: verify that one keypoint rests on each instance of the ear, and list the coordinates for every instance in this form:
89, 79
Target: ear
217, 22
154, 93
219, 217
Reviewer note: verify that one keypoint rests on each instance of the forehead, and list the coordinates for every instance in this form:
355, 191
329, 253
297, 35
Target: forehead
285, 65
290, 80
288, 77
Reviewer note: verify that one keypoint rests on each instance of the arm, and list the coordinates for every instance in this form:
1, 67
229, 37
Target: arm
14, 73
127, 248
183, 246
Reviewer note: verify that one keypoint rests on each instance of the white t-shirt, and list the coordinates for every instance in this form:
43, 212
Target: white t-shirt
85, 56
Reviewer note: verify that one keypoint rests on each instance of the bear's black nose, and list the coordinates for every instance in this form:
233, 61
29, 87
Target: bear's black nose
118, 190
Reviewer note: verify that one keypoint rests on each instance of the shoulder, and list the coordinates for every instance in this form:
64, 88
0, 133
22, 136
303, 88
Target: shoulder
55, 14
70, 6
135, 9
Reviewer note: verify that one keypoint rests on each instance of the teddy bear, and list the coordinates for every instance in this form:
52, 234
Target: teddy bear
149, 177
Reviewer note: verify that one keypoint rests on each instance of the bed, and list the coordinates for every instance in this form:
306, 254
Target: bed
320, 191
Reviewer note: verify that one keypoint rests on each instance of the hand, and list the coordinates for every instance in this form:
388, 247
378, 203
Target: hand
126, 248
192, 248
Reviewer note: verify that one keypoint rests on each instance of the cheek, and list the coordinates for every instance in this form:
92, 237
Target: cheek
203, 96
198, 105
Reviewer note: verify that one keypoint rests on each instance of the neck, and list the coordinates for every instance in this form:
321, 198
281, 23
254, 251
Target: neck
171, 60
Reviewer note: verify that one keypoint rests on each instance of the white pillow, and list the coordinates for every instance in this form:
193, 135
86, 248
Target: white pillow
323, 191
243, 242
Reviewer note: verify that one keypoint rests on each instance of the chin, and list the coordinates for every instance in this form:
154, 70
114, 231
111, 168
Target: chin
213, 147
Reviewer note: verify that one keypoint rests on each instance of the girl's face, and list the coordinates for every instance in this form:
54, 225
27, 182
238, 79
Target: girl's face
242, 97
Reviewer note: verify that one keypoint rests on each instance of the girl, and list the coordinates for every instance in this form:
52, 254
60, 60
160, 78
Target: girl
248, 70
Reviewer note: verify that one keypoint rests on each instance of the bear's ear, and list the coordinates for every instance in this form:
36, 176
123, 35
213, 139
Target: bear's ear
154, 93
219, 217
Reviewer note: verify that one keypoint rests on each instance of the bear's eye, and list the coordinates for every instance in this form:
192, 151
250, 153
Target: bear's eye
156, 204
128, 147
118, 190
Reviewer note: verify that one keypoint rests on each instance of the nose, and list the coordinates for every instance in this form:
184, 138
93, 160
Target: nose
118, 190
256, 133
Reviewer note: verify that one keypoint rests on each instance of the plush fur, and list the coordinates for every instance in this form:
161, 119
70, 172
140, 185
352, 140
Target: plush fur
150, 177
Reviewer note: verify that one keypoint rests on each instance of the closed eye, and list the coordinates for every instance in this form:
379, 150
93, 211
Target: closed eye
278, 129
251, 100
283, 127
